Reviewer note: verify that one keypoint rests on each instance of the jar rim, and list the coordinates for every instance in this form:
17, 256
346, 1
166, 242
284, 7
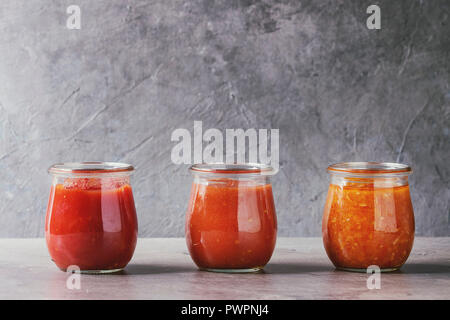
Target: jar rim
370, 168
90, 167
233, 168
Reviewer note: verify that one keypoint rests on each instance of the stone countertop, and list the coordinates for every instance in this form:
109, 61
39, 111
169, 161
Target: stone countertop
162, 269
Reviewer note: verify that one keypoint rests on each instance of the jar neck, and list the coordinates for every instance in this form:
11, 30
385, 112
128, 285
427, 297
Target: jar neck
377, 182
92, 175
91, 169
209, 178
95, 181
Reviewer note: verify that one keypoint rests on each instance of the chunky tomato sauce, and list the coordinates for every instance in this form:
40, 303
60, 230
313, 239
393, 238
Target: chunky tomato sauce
91, 223
365, 225
231, 225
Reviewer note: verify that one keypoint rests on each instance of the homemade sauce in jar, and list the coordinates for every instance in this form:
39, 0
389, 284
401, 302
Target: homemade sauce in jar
231, 222
368, 218
91, 219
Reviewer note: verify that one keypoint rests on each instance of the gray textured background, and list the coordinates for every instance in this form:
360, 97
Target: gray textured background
116, 89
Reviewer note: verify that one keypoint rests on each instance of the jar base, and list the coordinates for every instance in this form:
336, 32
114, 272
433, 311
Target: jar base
364, 270
249, 270
97, 271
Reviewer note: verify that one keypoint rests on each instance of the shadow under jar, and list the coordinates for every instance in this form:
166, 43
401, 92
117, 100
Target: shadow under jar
91, 219
231, 223
368, 217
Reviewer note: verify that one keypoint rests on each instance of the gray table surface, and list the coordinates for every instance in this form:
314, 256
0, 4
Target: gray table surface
162, 269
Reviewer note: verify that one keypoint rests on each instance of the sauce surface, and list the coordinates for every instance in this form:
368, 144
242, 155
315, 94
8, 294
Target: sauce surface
365, 225
230, 225
91, 223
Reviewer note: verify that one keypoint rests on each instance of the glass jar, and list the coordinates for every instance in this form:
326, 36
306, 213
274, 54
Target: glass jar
368, 217
231, 223
91, 219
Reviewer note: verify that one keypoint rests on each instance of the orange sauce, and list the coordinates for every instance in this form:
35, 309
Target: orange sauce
231, 225
366, 225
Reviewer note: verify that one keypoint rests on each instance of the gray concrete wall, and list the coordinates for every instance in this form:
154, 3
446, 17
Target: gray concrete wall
116, 89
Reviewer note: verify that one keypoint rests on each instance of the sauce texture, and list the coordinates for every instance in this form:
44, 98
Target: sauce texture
366, 225
91, 223
231, 225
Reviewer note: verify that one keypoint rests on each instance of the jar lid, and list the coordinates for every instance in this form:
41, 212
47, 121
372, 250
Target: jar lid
235, 168
89, 167
370, 168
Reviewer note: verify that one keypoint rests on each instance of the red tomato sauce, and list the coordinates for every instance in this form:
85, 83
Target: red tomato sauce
364, 225
230, 225
91, 223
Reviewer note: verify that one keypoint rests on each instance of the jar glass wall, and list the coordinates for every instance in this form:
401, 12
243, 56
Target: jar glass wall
91, 218
231, 222
368, 218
